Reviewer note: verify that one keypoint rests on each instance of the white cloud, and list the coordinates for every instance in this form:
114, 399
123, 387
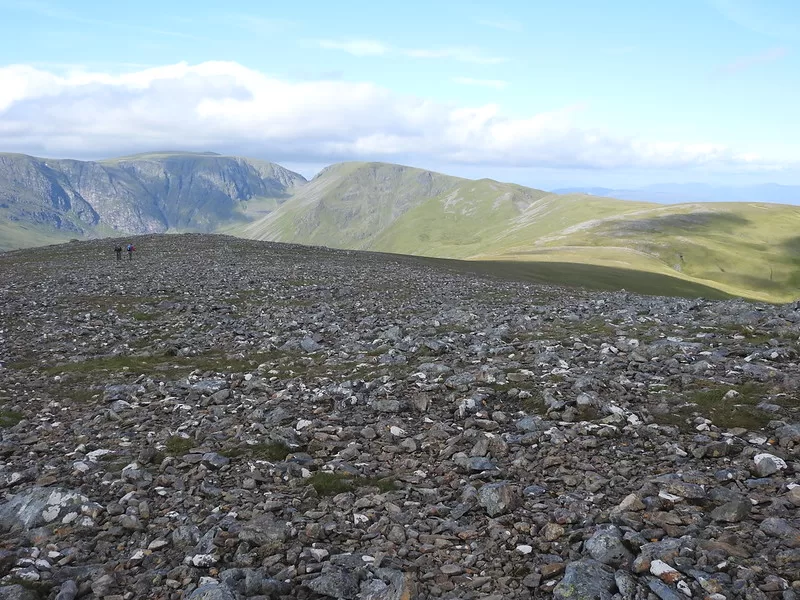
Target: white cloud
356, 47
367, 47
257, 24
461, 54
507, 25
497, 84
226, 107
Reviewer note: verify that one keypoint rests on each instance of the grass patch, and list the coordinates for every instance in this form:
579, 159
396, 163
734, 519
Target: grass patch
143, 316
9, 418
178, 446
384, 484
534, 405
709, 401
78, 390
22, 364
154, 364
271, 451
330, 484
580, 275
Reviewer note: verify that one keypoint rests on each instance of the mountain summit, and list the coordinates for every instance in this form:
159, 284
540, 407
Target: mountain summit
145, 193
744, 249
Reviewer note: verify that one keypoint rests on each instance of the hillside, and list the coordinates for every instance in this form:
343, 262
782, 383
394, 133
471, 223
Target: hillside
347, 205
743, 249
46, 200
746, 249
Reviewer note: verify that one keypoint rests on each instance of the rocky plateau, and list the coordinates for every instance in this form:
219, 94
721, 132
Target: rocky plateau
221, 419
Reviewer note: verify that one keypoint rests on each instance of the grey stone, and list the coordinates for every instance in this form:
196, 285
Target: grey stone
586, 579
309, 345
732, 512
212, 591
253, 582
498, 498
389, 584
788, 434
530, 424
215, 461
67, 591
662, 590
768, 464
17, 592
781, 529
340, 584
480, 463
103, 585
626, 584
606, 546
39, 506
386, 405
264, 531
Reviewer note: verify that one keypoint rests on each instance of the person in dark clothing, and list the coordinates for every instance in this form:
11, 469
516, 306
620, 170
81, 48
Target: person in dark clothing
118, 251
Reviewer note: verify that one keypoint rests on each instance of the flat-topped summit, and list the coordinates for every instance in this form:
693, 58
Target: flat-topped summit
228, 418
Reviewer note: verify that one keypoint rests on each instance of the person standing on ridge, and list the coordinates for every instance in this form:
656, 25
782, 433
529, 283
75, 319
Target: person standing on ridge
130, 251
118, 251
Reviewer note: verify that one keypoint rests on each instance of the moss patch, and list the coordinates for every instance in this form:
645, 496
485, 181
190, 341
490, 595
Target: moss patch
709, 401
179, 365
9, 418
271, 451
330, 484
178, 446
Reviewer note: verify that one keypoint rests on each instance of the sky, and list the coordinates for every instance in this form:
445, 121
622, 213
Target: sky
548, 94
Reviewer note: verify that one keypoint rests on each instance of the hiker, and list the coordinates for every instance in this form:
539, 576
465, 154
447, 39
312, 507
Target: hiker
130, 251
118, 251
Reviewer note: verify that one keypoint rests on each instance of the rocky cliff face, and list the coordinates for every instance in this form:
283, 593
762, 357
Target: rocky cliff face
140, 194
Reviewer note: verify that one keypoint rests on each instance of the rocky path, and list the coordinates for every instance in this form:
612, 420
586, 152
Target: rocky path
221, 419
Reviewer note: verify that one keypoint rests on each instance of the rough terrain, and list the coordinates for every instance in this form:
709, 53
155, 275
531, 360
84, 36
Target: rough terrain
221, 418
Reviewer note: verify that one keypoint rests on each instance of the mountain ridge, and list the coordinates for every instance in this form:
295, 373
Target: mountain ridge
146, 193
744, 249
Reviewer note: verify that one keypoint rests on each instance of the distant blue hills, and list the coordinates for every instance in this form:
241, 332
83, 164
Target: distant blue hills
673, 193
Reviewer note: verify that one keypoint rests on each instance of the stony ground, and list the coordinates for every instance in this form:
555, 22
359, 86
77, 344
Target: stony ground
223, 419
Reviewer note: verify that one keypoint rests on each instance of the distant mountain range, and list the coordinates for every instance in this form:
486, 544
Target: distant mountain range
44, 199
741, 248
674, 193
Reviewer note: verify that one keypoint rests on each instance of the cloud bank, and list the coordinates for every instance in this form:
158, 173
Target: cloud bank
226, 107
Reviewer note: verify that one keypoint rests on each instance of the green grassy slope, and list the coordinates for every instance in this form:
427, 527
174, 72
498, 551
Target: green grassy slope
14, 236
486, 217
742, 249
348, 204
752, 250
582, 275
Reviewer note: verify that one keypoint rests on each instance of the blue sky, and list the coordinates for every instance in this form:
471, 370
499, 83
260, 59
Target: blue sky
542, 93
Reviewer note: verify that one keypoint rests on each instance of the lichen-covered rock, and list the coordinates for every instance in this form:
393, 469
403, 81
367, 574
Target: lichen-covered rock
498, 498
606, 546
44, 506
586, 579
